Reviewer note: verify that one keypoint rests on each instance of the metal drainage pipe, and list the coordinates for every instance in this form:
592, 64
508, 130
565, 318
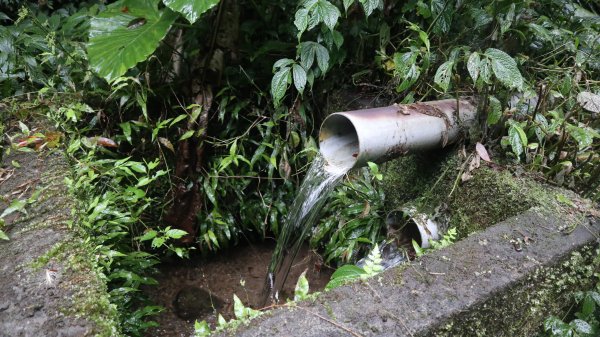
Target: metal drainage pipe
351, 139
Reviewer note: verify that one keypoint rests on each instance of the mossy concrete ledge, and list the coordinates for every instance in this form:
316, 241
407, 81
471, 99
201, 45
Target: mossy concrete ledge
483, 285
50, 284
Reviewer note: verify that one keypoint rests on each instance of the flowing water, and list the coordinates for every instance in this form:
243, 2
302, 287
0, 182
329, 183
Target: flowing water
320, 179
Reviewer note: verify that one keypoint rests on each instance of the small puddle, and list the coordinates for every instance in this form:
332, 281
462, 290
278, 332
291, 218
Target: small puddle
198, 288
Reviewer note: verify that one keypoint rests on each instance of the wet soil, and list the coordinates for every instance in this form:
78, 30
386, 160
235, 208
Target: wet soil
201, 288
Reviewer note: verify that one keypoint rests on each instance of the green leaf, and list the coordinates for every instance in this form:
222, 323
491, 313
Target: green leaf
418, 250
485, 71
322, 57
143, 181
187, 135
212, 237
581, 326
473, 66
443, 75
301, 290
505, 68
191, 9
369, 6
282, 63
175, 233
517, 138
347, 4
3, 236
556, 326
495, 111
158, 241
15, 205
279, 85
338, 39
301, 21
137, 167
126, 127
221, 321
584, 135
118, 40
540, 32
201, 329
507, 21
328, 13
344, 274
299, 75
442, 11
238, 307
151, 234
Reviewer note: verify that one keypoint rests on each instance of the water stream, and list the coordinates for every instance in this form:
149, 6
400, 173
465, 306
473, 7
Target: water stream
319, 181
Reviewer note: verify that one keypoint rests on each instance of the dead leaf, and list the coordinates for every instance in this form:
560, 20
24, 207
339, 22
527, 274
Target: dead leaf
102, 141
473, 164
166, 143
482, 152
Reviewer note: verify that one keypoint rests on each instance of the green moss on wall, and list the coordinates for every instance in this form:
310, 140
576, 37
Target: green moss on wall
493, 194
522, 310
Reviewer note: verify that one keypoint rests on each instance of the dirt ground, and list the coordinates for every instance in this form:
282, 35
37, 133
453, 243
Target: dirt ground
201, 288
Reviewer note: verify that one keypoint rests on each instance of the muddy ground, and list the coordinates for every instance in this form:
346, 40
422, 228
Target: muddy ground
201, 288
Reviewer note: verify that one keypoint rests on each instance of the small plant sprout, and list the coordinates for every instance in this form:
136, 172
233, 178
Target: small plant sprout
373, 263
446, 241
374, 168
201, 329
301, 290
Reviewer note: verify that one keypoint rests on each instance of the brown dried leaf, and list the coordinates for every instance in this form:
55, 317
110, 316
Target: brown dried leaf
482, 152
166, 143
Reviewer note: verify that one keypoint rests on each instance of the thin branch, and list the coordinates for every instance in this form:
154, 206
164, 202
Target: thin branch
337, 325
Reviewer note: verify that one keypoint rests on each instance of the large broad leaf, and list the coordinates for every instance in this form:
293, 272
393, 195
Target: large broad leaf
344, 274
505, 68
125, 34
328, 13
279, 84
473, 65
495, 111
442, 11
443, 74
191, 9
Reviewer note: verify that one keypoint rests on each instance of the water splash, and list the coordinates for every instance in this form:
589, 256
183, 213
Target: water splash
319, 181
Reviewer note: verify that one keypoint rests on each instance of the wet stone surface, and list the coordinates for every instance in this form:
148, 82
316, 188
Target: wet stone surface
48, 280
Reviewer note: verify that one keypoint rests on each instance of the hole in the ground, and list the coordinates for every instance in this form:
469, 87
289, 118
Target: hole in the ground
199, 288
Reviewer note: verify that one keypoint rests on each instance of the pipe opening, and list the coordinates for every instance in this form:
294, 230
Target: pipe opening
403, 227
338, 142
407, 225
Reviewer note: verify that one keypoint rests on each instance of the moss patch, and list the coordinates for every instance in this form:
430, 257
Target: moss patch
521, 311
82, 279
493, 194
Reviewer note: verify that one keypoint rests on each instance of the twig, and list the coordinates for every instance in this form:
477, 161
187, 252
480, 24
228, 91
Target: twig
401, 322
353, 333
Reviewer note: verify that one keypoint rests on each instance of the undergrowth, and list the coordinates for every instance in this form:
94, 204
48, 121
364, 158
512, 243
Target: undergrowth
206, 126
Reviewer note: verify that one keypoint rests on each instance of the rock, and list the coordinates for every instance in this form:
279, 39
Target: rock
193, 302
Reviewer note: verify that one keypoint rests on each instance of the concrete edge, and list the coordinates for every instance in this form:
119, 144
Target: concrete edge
53, 284
467, 289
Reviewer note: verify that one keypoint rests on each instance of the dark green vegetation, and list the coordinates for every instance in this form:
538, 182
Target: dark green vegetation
213, 109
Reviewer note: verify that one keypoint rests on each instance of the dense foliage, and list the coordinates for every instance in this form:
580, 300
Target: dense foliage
214, 105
